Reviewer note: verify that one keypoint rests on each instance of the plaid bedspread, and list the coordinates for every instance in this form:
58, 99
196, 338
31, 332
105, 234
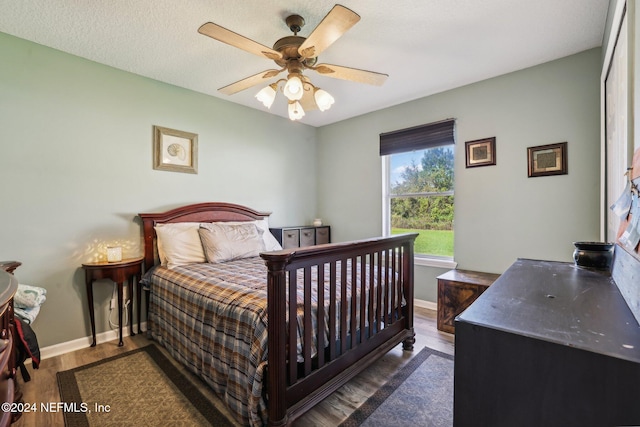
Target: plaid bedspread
213, 319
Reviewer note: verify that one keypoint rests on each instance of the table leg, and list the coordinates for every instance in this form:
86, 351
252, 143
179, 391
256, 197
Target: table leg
130, 286
139, 301
92, 315
147, 298
120, 344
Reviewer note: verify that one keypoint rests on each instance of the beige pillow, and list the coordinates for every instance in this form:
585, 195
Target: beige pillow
225, 242
179, 244
270, 242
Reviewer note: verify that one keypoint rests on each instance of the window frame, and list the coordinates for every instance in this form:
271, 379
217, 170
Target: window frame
419, 259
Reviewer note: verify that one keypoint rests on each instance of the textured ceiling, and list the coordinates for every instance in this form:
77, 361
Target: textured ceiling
425, 46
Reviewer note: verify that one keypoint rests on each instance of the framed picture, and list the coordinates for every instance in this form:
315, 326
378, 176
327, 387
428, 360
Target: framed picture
481, 152
175, 150
545, 160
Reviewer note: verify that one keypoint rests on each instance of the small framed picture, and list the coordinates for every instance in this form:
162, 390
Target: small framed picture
545, 160
481, 152
175, 150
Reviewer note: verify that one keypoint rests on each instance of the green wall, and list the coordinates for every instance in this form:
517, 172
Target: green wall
76, 164
76, 169
501, 214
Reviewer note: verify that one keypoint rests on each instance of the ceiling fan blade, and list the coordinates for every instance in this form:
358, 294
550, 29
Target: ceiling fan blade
335, 24
234, 39
353, 74
308, 101
248, 82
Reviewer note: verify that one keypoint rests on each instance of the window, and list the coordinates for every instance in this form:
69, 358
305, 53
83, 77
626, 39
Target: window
418, 187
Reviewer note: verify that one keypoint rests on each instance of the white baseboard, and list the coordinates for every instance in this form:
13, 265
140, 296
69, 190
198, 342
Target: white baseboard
425, 304
80, 343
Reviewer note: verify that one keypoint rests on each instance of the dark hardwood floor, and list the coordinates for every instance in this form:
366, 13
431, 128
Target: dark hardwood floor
330, 412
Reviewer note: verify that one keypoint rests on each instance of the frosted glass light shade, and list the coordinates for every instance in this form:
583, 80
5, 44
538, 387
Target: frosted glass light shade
293, 89
324, 100
114, 254
295, 111
267, 95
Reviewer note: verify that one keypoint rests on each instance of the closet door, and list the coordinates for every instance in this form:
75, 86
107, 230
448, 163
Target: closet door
616, 122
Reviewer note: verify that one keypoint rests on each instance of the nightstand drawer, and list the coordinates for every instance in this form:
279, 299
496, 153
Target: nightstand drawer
307, 237
290, 239
322, 235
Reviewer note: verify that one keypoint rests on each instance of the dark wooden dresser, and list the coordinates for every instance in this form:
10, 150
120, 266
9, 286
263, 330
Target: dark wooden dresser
8, 288
548, 344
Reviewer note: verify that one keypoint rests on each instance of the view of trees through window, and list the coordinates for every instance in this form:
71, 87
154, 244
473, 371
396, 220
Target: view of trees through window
421, 197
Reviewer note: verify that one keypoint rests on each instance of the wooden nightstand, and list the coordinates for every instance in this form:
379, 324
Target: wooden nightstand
129, 270
457, 289
9, 386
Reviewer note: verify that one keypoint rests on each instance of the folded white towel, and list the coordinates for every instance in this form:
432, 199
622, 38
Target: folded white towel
29, 296
28, 315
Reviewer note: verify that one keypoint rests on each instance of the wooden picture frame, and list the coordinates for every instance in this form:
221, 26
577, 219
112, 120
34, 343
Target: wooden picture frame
546, 160
481, 152
175, 150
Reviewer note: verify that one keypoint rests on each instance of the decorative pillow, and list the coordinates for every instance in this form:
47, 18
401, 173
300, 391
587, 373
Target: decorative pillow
223, 241
179, 244
270, 242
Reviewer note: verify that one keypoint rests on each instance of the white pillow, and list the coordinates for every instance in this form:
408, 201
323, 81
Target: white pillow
223, 241
179, 244
270, 242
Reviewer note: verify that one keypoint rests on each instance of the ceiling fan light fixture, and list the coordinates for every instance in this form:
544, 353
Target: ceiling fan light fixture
295, 111
295, 54
323, 99
293, 89
267, 95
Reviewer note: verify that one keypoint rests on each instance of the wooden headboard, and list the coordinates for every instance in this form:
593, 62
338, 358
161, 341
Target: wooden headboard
201, 212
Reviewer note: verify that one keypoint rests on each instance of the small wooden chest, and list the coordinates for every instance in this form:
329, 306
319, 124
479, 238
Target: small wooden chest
457, 289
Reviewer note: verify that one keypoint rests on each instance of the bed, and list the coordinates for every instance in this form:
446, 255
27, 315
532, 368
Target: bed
228, 320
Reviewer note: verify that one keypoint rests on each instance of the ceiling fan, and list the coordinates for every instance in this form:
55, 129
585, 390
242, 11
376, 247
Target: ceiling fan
295, 54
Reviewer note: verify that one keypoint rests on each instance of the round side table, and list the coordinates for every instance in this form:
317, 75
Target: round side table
129, 270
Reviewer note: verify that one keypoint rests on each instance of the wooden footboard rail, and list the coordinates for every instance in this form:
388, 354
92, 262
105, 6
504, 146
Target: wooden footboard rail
376, 317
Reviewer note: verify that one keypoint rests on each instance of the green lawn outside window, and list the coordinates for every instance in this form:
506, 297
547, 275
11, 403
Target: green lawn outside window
430, 242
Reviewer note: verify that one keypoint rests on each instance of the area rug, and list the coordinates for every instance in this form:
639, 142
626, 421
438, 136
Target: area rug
140, 387
420, 394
